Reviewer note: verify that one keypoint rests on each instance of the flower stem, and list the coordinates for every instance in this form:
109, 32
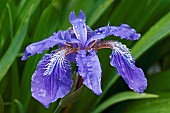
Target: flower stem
58, 109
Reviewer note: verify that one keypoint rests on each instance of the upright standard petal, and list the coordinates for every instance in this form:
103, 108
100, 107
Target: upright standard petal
52, 79
79, 26
39, 47
123, 31
123, 61
90, 70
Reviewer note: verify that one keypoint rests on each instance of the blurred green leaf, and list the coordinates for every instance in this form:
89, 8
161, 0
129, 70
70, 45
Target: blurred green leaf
111, 82
155, 34
1, 105
154, 54
149, 11
152, 36
157, 105
10, 21
2, 6
23, 8
98, 12
71, 98
14, 47
15, 86
20, 106
46, 26
163, 85
122, 97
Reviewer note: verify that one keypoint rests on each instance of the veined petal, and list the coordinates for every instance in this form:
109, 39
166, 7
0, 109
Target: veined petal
123, 31
52, 79
39, 47
90, 70
74, 38
123, 61
72, 57
82, 15
79, 26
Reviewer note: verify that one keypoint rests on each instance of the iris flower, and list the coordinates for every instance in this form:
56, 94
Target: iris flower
79, 44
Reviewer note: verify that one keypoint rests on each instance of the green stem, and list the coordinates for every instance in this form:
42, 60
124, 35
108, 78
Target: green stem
58, 109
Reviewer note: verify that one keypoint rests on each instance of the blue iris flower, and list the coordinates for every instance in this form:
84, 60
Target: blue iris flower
79, 44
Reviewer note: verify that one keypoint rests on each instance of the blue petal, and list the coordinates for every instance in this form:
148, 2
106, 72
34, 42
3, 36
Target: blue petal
90, 70
82, 15
52, 79
123, 31
39, 47
74, 38
79, 26
72, 16
72, 57
123, 61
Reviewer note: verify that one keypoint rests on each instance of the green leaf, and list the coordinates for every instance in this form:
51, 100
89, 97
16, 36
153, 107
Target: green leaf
69, 99
111, 82
122, 97
155, 34
72, 97
98, 12
15, 86
10, 21
156, 105
154, 54
163, 85
20, 106
13, 49
1, 105
46, 26
16, 43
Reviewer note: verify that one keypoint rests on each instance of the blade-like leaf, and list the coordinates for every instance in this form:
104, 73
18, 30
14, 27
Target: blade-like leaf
98, 12
46, 26
121, 97
163, 85
1, 105
10, 21
155, 34
13, 49
20, 106
71, 98
16, 43
15, 86
151, 37
156, 105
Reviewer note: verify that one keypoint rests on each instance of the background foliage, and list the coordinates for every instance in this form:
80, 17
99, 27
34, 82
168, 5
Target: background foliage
26, 21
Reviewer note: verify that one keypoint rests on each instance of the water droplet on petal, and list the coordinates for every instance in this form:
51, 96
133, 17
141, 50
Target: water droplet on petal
100, 29
78, 35
132, 81
42, 93
75, 27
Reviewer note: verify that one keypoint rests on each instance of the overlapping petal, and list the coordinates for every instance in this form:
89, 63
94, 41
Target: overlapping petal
122, 60
52, 79
90, 70
123, 31
58, 38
